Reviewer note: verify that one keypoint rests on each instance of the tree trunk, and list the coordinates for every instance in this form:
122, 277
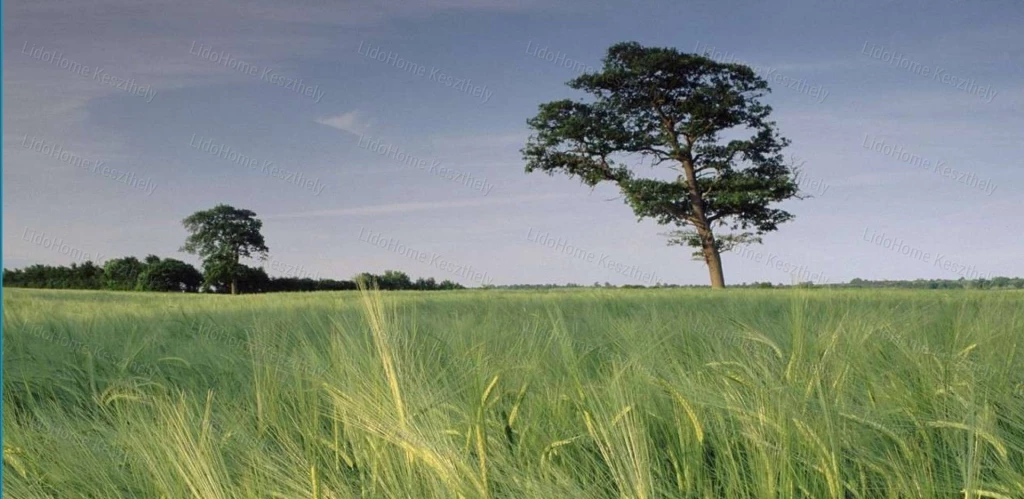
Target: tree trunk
234, 274
713, 258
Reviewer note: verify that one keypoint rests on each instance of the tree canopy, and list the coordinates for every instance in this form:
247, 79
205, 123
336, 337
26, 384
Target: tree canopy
221, 237
698, 123
168, 275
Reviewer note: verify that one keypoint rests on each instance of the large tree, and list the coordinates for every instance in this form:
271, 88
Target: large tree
701, 119
222, 236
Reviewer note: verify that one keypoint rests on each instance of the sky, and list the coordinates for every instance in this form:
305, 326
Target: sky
380, 134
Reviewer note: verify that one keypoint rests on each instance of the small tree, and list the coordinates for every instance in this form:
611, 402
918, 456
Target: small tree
222, 236
700, 118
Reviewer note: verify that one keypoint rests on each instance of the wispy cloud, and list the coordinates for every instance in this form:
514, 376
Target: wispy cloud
413, 207
351, 122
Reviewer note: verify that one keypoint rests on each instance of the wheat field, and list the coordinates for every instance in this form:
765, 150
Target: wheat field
591, 393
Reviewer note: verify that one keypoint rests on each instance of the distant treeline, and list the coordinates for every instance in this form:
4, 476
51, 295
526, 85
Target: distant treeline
168, 274
994, 283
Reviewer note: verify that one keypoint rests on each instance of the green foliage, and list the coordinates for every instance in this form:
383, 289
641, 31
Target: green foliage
589, 393
221, 236
220, 271
224, 231
122, 273
85, 276
724, 242
168, 275
247, 279
702, 122
308, 284
993, 283
392, 280
90, 276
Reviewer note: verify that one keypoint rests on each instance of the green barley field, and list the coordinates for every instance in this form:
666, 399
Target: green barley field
585, 393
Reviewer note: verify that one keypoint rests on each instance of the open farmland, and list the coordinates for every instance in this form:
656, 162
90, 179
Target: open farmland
567, 393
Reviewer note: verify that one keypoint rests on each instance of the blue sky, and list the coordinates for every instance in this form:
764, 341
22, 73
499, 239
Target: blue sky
385, 135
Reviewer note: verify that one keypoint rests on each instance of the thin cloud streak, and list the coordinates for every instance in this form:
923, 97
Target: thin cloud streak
411, 207
351, 122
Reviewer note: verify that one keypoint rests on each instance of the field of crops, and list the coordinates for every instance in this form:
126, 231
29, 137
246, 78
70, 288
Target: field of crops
512, 394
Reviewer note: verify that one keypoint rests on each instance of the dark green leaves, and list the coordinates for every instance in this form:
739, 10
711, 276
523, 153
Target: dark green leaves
224, 231
221, 236
662, 107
